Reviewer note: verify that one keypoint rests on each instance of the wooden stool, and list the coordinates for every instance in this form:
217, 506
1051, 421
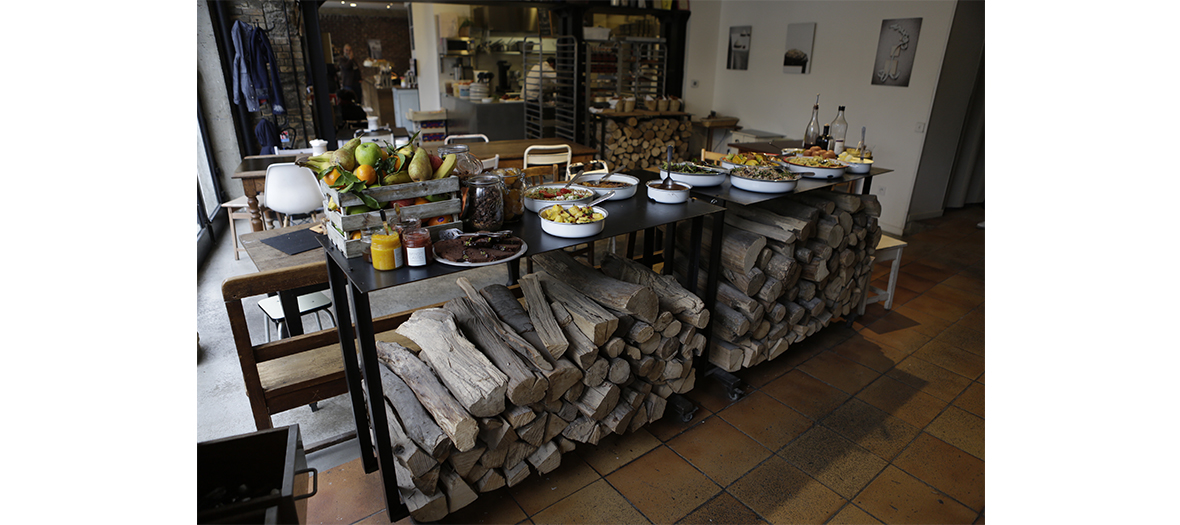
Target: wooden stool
888, 249
238, 209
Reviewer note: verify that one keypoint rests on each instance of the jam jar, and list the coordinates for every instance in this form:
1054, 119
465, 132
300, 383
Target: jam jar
513, 180
483, 205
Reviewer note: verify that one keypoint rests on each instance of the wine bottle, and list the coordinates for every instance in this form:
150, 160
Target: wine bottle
839, 132
824, 139
812, 133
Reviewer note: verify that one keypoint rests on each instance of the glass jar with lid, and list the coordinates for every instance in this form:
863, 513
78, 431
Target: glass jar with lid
483, 203
513, 190
466, 165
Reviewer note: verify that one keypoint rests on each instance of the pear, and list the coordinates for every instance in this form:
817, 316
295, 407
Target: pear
420, 166
400, 177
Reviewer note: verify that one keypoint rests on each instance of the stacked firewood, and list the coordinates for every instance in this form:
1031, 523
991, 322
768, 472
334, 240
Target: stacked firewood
642, 144
501, 387
789, 266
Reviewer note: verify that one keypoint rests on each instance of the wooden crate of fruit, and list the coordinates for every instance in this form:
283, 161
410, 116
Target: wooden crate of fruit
342, 225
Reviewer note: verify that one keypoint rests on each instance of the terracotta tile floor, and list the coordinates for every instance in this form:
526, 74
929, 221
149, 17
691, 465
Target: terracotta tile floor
878, 422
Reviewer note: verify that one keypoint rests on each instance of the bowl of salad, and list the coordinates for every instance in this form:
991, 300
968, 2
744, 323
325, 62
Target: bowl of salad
817, 167
572, 221
763, 179
543, 195
697, 175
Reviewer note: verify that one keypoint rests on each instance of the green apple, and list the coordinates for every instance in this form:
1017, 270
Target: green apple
368, 153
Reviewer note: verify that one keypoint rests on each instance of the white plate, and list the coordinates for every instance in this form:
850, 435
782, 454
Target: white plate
762, 186
524, 247
697, 179
623, 193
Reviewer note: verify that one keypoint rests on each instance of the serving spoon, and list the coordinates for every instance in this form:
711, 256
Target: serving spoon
668, 184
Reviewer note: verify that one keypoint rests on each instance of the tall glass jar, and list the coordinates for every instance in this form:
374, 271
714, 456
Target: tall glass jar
483, 207
466, 165
513, 180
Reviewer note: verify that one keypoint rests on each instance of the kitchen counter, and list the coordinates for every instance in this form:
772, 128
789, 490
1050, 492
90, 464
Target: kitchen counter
498, 120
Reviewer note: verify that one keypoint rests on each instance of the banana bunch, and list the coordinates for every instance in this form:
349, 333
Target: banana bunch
344, 157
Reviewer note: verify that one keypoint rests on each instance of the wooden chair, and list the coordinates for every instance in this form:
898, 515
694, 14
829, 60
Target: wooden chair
239, 209
888, 249
712, 157
295, 371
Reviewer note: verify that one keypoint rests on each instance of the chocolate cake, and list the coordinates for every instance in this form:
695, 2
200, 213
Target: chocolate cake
478, 249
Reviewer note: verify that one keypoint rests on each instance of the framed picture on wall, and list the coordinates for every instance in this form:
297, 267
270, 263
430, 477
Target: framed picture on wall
739, 48
800, 39
375, 49
895, 51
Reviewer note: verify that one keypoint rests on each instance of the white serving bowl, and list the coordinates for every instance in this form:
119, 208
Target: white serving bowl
574, 231
816, 172
536, 205
699, 179
676, 196
859, 167
761, 185
623, 193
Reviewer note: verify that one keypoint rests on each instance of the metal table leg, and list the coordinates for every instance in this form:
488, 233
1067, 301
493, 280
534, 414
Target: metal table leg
341, 298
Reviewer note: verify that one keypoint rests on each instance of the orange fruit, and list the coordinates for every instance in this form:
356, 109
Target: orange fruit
421, 200
331, 177
366, 174
434, 221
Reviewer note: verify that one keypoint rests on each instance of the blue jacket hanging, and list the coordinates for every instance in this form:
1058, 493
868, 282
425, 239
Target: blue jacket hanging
268, 136
266, 79
243, 89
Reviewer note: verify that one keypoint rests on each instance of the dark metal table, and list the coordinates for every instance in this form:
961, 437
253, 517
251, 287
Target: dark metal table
351, 281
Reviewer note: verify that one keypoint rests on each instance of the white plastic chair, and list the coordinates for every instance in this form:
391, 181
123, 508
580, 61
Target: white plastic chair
292, 190
453, 138
543, 155
492, 163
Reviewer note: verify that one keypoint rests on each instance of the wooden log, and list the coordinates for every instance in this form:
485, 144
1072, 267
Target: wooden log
596, 373
639, 418
546, 458
524, 387
518, 416
725, 356
673, 329
819, 249
417, 461
425, 508
595, 321
517, 473
564, 375
597, 401
620, 371
493, 430
807, 290
614, 347
686, 333
850, 203
809, 199
541, 316
764, 257
698, 319
656, 375
816, 270
459, 493
770, 291
474, 381
581, 351
574, 392
642, 367
565, 445
562, 315
633, 299
511, 337
760, 331
766, 230
662, 321
450, 415
779, 347
632, 352
533, 432
418, 425
779, 266
668, 347
775, 311
639, 333
697, 346
801, 229
568, 411
619, 418
778, 331
684, 384
427, 482
731, 319
814, 307
803, 254
554, 425
671, 295
794, 209
739, 248
491, 480
462, 462
518, 451
583, 430
747, 283
828, 230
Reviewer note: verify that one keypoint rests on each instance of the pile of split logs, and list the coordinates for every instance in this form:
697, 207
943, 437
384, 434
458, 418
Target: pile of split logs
642, 144
788, 267
502, 387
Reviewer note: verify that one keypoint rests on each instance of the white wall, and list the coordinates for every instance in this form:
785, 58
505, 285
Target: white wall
431, 76
846, 35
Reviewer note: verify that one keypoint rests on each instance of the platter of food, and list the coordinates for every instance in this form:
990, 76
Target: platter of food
819, 167
470, 250
572, 221
543, 195
763, 179
754, 158
624, 186
694, 174
855, 163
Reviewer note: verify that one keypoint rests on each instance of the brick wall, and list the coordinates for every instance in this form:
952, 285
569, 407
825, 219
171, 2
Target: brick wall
356, 30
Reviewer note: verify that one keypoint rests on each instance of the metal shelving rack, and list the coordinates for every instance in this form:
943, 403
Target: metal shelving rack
563, 115
631, 66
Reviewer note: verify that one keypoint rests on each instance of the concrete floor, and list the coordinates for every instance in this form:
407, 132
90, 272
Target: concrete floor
223, 409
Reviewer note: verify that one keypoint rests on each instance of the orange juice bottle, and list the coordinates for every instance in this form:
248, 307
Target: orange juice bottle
387, 251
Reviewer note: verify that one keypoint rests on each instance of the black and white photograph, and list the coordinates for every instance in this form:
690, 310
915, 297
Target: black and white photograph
739, 48
800, 39
895, 51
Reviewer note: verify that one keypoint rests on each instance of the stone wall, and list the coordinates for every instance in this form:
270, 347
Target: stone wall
393, 31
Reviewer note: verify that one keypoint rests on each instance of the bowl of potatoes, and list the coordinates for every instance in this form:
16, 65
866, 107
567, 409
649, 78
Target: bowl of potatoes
572, 221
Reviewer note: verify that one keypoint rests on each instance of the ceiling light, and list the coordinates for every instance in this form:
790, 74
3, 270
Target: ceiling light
352, 5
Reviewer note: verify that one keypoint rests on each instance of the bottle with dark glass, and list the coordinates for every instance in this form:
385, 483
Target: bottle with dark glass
839, 132
825, 138
813, 130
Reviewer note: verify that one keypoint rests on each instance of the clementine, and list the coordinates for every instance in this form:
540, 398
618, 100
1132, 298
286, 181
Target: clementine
366, 174
331, 177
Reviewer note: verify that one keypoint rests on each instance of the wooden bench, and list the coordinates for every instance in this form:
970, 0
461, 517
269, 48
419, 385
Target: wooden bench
289, 373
